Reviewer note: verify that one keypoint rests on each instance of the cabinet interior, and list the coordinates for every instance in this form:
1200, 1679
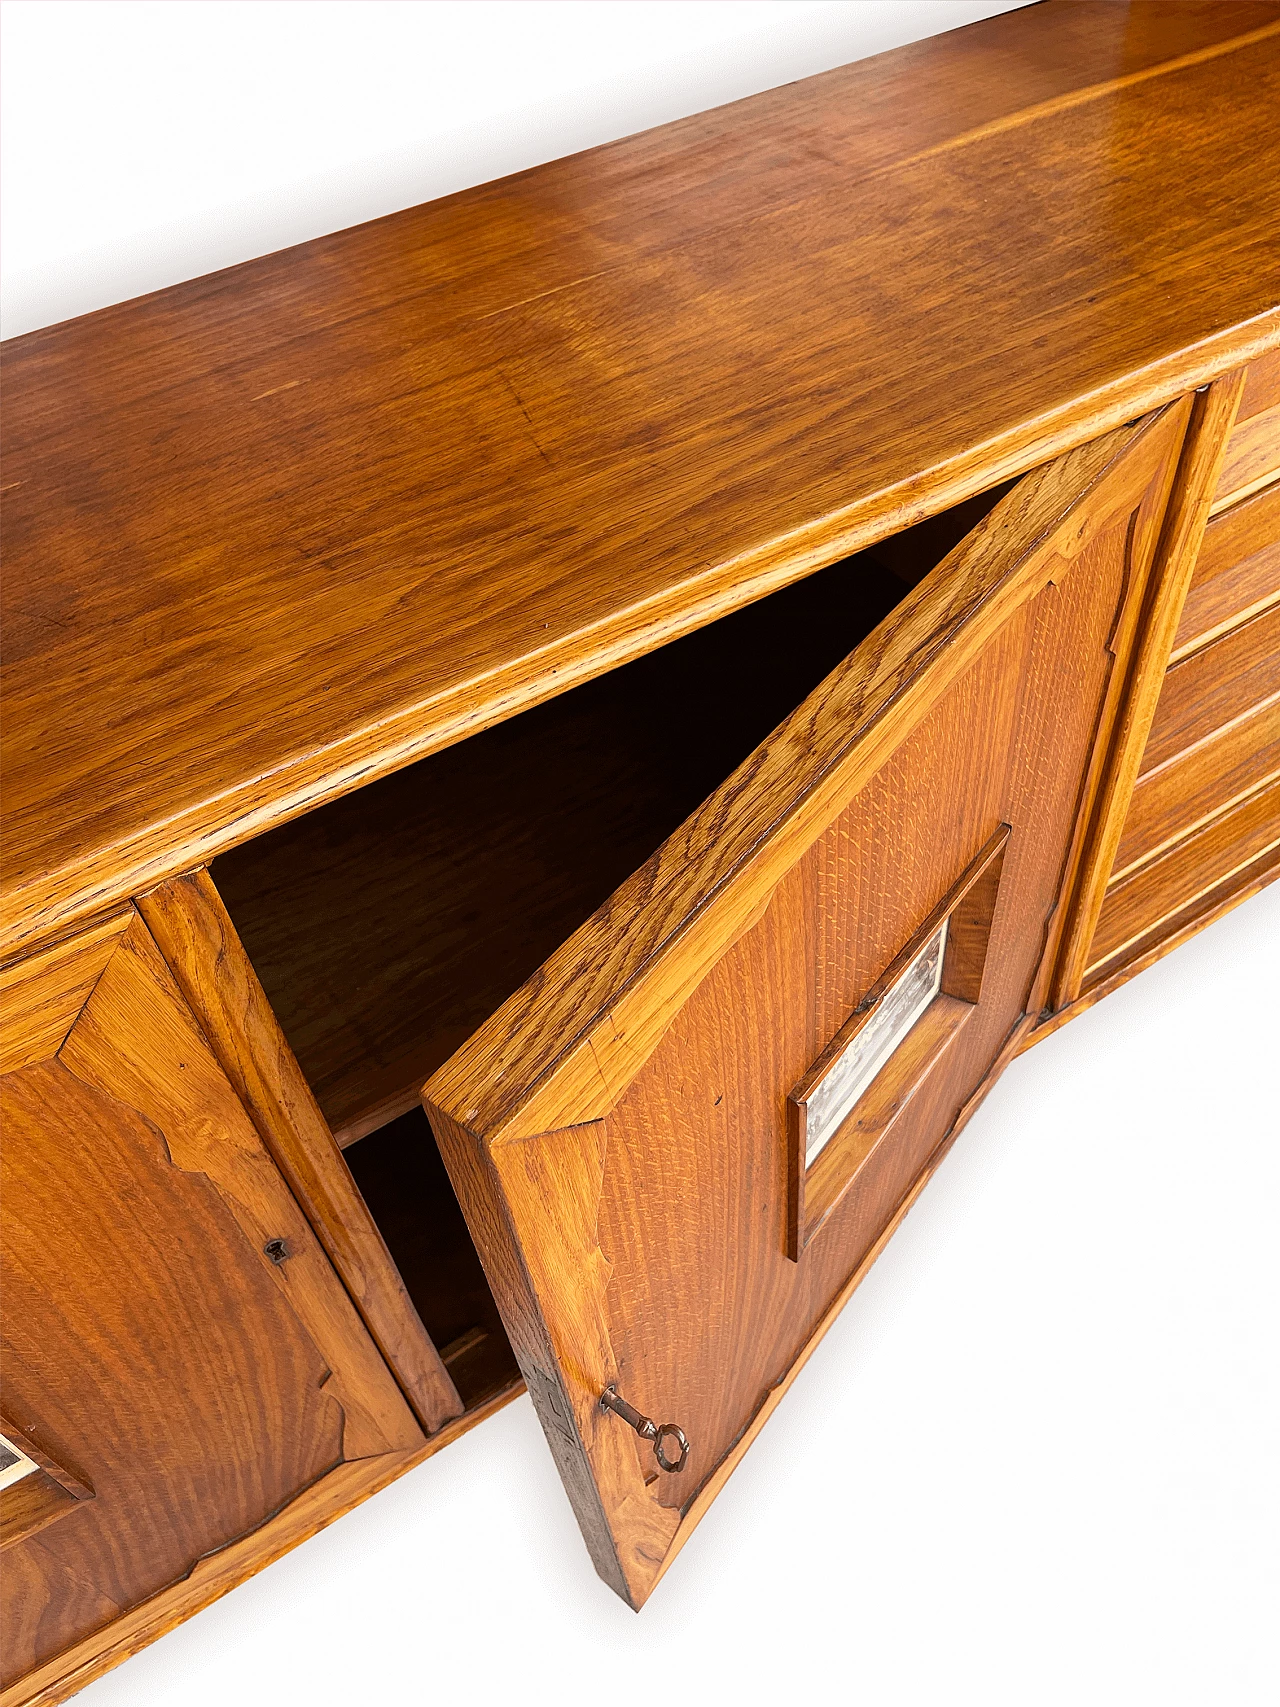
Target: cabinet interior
388, 925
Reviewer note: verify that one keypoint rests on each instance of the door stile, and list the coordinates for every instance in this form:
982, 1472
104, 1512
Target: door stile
1213, 413
195, 933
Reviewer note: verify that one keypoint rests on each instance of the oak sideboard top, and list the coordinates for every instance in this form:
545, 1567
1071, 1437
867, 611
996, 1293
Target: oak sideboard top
276, 531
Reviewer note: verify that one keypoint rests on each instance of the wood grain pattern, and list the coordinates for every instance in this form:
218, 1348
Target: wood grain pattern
218, 1573
1237, 574
150, 1344
1213, 413
1153, 900
651, 379
714, 1485
1262, 386
404, 1184
1252, 459
568, 1043
816, 1188
210, 1578
387, 926
1198, 783
1170, 934
1213, 687
41, 995
39, 1498
73, 1480
28, 1506
975, 704
200, 944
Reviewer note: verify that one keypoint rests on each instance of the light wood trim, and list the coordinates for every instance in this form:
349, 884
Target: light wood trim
1190, 921
817, 1189
77, 1485
41, 1497
45, 905
1170, 885
334, 1494
564, 1048
199, 942
344, 1488
28, 1506
41, 996
1212, 416
1252, 459
1250, 489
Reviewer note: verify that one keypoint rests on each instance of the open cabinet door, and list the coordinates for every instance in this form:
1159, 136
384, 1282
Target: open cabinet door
683, 1141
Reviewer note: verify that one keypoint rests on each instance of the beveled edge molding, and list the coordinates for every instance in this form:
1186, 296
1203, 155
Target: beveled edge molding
1204, 446
167, 848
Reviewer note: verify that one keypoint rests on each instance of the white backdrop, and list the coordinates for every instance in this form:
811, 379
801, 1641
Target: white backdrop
147, 141
1036, 1460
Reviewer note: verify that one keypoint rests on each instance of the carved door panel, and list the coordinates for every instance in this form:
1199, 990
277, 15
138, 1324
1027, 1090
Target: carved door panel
179, 1357
682, 1142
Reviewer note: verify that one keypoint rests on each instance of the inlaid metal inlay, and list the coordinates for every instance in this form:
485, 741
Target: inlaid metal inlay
898, 1009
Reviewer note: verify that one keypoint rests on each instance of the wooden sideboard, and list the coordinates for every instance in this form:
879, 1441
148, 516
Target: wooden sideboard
679, 664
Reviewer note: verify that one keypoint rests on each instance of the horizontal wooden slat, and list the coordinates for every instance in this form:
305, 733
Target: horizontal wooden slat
1170, 802
1237, 574
41, 995
1165, 887
1252, 460
1214, 686
1261, 386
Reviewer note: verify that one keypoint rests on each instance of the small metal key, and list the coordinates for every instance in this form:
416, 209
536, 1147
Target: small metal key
657, 1433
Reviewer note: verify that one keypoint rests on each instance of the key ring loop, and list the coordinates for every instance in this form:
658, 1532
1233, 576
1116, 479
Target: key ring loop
670, 1431
657, 1434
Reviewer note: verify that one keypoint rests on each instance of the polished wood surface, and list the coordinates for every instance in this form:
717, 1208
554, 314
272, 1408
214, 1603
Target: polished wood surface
278, 531
1237, 850
41, 1497
556, 1047
151, 1339
1121, 747
1171, 932
815, 1190
1211, 688
1237, 574
56, 1680
1253, 459
41, 996
1200, 782
1262, 386
386, 927
28, 1506
200, 943
403, 1181
1212, 753
616, 1132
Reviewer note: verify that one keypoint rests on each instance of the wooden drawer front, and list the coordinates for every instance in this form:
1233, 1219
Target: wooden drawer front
1237, 573
1253, 451
1253, 458
1182, 882
1215, 686
1261, 386
1170, 802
